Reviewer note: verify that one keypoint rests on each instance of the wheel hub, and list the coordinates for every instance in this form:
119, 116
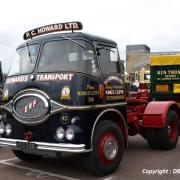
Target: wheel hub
110, 148
169, 130
172, 130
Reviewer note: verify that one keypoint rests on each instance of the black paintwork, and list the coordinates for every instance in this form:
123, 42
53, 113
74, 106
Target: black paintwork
45, 132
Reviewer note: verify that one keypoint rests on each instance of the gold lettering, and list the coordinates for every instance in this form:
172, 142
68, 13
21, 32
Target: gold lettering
88, 93
111, 98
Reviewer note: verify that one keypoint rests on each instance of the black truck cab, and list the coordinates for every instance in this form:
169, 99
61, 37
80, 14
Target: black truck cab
65, 93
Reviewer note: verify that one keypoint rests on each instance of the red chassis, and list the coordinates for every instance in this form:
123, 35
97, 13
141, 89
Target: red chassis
156, 121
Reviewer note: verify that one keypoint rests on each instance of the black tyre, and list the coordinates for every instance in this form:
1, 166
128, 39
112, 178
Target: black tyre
164, 138
151, 136
168, 136
108, 148
26, 157
132, 131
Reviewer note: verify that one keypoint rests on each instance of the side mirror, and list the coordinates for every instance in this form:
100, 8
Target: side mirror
114, 55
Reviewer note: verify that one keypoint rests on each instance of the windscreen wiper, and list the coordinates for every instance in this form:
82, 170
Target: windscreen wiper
28, 52
74, 41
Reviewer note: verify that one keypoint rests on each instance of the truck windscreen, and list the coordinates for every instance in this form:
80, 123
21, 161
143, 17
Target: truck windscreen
68, 55
25, 60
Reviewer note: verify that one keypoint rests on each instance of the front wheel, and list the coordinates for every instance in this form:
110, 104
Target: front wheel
108, 148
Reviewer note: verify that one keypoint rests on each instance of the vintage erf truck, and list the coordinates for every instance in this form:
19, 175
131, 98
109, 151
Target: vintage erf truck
65, 93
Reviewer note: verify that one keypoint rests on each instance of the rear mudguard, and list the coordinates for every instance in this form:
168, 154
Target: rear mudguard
155, 114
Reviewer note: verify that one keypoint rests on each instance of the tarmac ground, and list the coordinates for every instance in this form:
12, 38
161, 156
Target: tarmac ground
139, 163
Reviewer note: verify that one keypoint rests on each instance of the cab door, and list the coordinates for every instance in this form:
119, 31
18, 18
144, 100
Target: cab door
112, 73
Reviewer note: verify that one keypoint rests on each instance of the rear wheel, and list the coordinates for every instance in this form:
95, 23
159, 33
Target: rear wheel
26, 157
167, 137
151, 135
108, 148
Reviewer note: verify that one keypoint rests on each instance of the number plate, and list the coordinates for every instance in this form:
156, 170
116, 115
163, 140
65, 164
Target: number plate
26, 145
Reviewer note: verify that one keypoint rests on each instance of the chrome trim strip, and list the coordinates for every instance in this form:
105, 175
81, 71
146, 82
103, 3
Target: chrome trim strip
85, 107
73, 107
95, 106
58, 147
97, 119
33, 94
6, 105
61, 107
26, 95
39, 119
30, 90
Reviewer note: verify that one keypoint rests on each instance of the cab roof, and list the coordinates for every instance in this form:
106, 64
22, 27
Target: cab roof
72, 35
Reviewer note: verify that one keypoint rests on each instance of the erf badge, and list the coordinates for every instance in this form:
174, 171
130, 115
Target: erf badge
65, 94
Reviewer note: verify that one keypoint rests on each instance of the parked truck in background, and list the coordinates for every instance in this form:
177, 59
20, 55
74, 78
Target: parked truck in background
165, 77
160, 123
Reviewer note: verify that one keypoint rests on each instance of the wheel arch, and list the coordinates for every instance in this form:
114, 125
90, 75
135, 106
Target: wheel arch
155, 114
117, 117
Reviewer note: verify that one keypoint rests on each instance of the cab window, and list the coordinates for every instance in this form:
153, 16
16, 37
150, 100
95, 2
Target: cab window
25, 60
109, 59
66, 55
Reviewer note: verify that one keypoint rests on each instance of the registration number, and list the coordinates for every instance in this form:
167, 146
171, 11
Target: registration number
26, 145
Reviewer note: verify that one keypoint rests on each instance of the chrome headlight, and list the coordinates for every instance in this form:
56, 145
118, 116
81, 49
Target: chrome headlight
2, 128
70, 134
8, 129
60, 133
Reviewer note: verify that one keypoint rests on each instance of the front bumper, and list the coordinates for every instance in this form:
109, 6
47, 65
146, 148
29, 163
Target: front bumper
42, 146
